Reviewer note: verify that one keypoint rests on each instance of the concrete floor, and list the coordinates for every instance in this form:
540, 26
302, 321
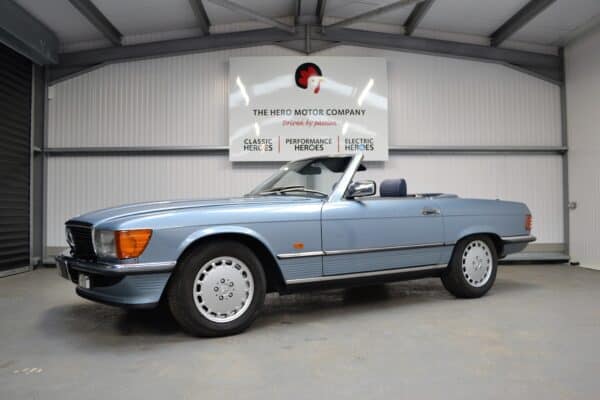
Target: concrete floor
535, 335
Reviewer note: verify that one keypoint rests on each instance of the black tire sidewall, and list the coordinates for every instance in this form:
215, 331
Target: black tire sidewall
181, 296
456, 282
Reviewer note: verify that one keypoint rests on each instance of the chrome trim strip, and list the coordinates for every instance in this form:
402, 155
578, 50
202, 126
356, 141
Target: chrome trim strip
365, 274
518, 239
304, 254
375, 249
142, 267
355, 251
107, 268
94, 241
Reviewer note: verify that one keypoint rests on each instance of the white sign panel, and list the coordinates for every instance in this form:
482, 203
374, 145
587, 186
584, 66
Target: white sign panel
286, 108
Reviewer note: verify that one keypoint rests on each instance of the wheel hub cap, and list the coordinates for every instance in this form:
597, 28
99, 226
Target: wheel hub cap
223, 289
477, 263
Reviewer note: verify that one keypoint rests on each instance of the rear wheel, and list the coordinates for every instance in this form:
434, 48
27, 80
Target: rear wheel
217, 290
472, 270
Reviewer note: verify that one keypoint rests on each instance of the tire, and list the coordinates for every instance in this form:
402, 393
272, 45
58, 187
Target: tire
472, 269
217, 289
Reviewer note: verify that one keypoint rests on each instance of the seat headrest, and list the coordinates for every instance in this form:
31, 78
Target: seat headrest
393, 188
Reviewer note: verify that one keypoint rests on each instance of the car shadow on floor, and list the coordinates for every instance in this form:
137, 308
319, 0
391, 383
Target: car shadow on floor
398, 296
84, 323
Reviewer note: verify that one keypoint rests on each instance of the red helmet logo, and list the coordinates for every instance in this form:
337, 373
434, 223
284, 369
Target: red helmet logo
306, 71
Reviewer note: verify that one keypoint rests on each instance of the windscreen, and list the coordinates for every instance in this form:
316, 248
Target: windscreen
312, 177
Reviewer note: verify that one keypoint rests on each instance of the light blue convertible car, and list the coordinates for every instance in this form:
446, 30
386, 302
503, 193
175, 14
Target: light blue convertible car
309, 225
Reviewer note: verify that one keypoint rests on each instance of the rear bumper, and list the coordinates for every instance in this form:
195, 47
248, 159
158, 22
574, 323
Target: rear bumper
518, 239
124, 285
515, 244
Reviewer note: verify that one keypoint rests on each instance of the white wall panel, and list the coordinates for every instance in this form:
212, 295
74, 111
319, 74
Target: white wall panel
174, 101
80, 184
447, 101
182, 100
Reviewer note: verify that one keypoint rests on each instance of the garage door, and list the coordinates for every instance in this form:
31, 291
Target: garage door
15, 114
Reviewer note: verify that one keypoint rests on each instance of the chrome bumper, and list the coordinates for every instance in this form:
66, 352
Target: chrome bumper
65, 262
518, 239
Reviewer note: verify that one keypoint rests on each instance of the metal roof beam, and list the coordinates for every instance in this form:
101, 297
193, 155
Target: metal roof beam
200, 44
415, 17
542, 65
57, 74
321, 6
26, 35
546, 66
307, 20
201, 16
519, 20
175, 150
372, 13
238, 8
297, 11
96, 18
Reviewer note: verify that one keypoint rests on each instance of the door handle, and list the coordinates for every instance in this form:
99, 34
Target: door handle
430, 211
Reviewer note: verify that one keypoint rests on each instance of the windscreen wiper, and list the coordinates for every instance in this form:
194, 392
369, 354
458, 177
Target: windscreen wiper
278, 189
296, 188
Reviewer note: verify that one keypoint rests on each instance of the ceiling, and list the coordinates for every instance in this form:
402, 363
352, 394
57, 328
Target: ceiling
175, 18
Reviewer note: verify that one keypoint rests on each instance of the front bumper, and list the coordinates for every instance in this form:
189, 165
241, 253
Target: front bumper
125, 285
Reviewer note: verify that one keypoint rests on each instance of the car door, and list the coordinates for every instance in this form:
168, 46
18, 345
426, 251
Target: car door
373, 234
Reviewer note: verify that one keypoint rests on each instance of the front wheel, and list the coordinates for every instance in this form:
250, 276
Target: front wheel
472, 270
217, 290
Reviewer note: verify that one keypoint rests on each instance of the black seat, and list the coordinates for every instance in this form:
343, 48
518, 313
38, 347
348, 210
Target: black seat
393, 188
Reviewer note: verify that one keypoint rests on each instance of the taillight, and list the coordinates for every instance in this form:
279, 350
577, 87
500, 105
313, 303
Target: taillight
528, 222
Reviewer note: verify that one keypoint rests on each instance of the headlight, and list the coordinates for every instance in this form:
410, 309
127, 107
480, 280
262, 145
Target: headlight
104, 241
122, 244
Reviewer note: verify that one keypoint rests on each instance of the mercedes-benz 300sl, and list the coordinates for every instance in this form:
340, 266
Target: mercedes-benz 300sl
312, 224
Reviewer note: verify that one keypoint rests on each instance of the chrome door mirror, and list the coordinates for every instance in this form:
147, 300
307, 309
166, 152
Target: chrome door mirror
361, 189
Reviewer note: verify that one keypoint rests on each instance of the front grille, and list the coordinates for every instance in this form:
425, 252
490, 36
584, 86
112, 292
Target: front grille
83, 246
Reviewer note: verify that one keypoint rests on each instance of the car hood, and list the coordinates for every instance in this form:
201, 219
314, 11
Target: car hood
137, 209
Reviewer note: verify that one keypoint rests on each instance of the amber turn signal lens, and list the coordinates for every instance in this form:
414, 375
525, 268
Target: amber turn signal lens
528, 222
130, 244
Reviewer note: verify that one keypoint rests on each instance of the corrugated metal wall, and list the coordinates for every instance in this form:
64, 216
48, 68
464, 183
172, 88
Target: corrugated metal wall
182, 101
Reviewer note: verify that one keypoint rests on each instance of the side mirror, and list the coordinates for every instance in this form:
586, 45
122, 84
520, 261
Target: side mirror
361, 189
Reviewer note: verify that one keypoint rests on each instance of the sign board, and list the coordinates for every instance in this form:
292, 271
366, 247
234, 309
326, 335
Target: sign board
287, 108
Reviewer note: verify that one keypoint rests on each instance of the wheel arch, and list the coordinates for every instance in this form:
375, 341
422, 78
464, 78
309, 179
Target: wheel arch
496, 240
251, 239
